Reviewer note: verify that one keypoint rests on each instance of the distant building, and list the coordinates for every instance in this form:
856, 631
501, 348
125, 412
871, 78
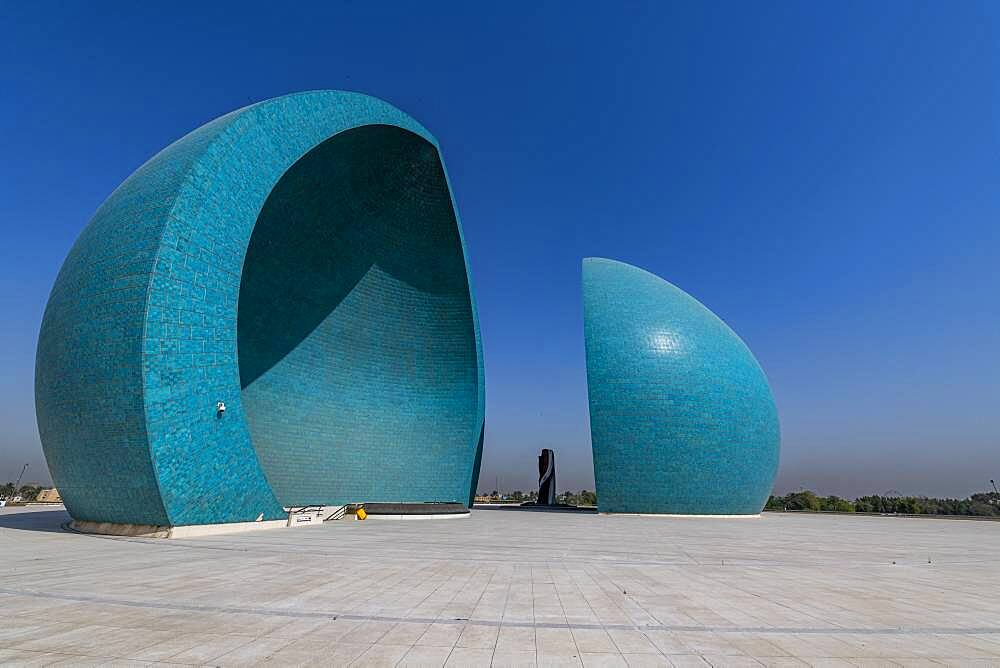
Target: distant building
50, 495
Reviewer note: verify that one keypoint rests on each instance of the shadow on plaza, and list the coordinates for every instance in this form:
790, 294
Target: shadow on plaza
21, 519
33, 520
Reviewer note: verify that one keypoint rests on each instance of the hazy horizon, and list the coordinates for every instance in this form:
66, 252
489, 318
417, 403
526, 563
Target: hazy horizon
823, 177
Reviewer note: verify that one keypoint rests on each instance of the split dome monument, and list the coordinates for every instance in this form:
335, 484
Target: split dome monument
276, 311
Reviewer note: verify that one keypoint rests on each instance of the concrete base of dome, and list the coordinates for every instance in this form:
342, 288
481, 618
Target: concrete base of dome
154, 531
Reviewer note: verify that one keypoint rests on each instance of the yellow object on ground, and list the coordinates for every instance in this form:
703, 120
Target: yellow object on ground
361, 514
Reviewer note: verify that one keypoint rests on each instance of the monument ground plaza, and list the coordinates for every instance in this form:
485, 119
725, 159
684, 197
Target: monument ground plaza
509, 588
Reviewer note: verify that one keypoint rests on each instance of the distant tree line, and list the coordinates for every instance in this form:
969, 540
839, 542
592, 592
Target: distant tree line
984, 504
514, 497
582, 498
26, 492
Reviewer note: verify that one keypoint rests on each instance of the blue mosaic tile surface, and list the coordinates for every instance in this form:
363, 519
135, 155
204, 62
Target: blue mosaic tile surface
682, 418
363, 369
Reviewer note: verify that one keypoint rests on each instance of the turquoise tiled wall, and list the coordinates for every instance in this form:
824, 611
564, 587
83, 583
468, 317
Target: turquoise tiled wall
355, 329
146, 325
681, 416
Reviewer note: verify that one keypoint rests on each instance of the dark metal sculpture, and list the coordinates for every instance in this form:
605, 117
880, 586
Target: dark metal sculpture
547, 478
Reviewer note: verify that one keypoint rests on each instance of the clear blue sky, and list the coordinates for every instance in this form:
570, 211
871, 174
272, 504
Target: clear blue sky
824, 176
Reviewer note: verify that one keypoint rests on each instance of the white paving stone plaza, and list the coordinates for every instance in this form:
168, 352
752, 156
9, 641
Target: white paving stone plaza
509, 588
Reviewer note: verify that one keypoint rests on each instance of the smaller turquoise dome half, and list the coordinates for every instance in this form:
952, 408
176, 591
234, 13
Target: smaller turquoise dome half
682, 419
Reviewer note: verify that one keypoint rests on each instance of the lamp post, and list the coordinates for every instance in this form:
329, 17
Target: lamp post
17, 483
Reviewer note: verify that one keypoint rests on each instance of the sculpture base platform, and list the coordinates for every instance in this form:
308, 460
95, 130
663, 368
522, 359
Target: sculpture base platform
415, 511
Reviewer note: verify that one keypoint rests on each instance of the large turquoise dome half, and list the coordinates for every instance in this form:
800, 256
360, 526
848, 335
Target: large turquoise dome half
682, 419
274, 311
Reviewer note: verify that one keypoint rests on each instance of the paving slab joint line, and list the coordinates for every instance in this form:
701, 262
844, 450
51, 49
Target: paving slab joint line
317, 614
